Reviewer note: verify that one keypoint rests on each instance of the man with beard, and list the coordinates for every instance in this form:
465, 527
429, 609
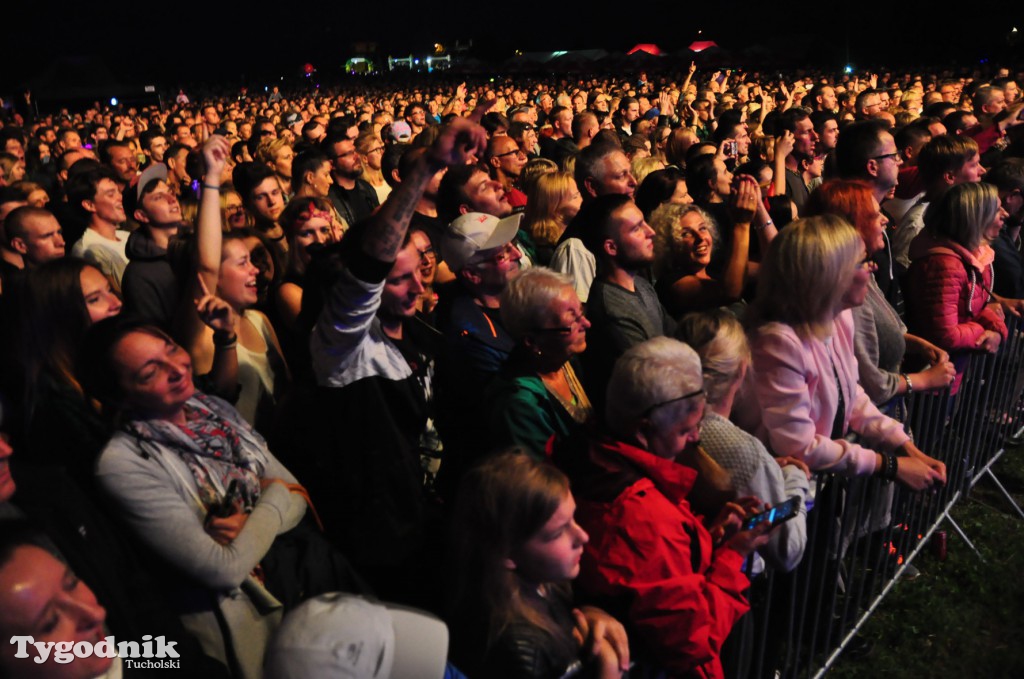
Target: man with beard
623, 307
1008, 178
353, 197
372, 359
505, 162
798, 122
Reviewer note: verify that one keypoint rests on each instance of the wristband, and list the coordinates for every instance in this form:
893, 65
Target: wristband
211, 187
890, 467
226, 340
910, 385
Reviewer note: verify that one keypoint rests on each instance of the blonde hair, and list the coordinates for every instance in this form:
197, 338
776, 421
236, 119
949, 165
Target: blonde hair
962, 213
719, 339
667, 224
805, 274
641, 167
544, 197
266, 151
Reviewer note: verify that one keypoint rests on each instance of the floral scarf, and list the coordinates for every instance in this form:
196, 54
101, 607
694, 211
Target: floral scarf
217, 446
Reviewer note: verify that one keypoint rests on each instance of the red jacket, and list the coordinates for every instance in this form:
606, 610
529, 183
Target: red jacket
947, 294
653, 560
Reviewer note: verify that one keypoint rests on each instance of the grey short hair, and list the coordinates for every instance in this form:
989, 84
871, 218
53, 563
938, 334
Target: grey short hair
528, 297
656, 371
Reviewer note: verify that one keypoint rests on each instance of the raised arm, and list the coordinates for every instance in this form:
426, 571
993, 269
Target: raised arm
461, 140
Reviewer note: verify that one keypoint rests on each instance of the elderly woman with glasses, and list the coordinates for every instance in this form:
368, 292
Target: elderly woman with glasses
538, 394
678, 583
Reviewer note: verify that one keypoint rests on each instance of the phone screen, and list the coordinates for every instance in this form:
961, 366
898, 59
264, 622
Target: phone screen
776, 515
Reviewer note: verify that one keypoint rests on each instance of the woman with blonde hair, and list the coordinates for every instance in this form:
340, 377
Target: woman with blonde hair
552, 201
806, 376
882, 340
277, 154
949, 283
719, 339
684, 240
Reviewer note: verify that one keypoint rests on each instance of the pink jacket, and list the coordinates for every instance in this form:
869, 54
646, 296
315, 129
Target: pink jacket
798, 396
947, 290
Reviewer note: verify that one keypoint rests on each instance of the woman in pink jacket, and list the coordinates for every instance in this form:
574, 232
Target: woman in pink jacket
948, 287
815, 271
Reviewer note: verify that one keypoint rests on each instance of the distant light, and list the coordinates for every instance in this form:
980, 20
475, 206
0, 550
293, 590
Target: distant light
492, 79
558, 53
848, 70
1014, 30
429, 60
113, 101
416, 61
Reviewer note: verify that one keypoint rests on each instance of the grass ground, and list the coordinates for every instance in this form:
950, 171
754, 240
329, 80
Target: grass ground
963, 618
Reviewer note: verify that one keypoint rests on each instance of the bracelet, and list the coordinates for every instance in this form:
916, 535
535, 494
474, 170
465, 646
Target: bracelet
910, 385
890, 467
211, 187
226, 340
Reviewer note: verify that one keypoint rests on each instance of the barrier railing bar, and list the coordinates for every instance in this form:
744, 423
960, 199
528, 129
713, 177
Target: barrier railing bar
888, 587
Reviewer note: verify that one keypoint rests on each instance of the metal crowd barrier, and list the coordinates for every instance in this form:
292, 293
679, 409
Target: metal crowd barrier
863, 533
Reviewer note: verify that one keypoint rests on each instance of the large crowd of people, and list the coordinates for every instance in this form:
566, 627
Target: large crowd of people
520, 358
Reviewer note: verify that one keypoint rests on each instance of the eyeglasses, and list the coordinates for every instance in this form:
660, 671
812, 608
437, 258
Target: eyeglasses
517, 152
375, 150
692, 394
576, 324
502, 256
891, 156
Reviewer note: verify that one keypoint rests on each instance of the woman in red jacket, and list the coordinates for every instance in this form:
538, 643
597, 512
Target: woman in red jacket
676, 583
949, 299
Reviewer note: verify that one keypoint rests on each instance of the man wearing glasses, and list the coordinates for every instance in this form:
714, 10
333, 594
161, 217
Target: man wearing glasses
479, 250
352, 196
867, 151
505, 161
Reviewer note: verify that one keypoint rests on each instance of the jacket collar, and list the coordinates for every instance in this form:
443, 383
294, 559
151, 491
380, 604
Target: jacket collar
672, 479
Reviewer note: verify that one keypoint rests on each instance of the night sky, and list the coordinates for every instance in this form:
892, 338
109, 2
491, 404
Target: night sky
185, 44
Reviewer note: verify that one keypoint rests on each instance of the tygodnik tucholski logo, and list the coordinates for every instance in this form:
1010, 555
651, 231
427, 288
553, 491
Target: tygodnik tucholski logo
152, 653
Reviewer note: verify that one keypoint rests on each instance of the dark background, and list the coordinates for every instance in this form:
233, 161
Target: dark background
188, 45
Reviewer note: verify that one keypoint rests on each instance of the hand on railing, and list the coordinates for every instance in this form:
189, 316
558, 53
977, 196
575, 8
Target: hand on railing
989, 341
936, 377
795, 462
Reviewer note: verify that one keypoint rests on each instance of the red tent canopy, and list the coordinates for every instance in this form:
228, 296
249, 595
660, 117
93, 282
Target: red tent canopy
701, 45
650, 48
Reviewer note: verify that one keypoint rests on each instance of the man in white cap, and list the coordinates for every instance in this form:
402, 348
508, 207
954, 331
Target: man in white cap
479, 250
